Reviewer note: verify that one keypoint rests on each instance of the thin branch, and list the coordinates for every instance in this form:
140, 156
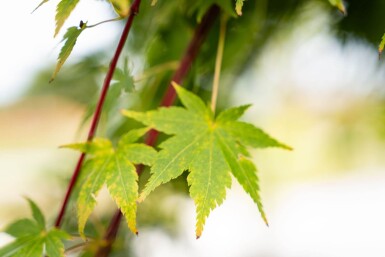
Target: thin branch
96, 24
190, 55
95, 121
218, 62
75, 248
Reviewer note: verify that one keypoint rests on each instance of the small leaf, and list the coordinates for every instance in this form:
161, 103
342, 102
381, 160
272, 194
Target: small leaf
154, 2
32, 237
63, 11
42, 2
37, 214
238, 6
340, 5
70, 38
115, 168
381, 46
121, 7
124, 79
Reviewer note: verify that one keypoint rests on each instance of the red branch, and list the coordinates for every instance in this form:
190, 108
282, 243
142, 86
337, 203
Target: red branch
190, 55
95, 121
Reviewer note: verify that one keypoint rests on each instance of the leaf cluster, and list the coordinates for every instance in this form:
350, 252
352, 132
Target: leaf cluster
32, 238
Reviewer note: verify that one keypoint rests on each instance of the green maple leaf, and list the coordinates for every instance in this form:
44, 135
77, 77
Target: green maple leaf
123, 78
210, 148
32, 237
70, 38
115, 168
63, 11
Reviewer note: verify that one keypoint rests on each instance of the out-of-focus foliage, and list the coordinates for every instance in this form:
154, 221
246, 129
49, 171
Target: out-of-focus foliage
33, 238
382, 45
365, 20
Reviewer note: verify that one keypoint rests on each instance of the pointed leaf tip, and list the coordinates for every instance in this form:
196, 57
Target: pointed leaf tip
339, 4
36, 213
41, 3
70, 38
63, 11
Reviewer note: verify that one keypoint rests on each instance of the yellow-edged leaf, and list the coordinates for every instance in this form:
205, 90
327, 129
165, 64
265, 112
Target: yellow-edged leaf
63, 11
70, 38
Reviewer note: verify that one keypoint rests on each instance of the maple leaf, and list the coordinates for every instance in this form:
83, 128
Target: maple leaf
70, 38
63, 11
210, 148
123, 78
32, 237
116, 169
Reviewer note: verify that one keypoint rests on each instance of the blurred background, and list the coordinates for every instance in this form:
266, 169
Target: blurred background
315, 82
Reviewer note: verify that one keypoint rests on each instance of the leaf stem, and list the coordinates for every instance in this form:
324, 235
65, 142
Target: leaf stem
218, 62
95, 121
96, 24
189, 56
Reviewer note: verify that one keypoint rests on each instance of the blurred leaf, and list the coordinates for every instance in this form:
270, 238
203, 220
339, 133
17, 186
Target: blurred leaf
36, 214
382, 45
42, 2
238, 6
205, 146
121, 7
201, 6
124, 79
114, 167
32, 237
63, 11
70, 38
340, 5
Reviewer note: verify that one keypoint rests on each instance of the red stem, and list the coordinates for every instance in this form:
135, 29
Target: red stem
95, 121
190, 55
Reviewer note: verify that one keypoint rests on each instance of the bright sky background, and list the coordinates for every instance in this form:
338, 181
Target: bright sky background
27, 42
